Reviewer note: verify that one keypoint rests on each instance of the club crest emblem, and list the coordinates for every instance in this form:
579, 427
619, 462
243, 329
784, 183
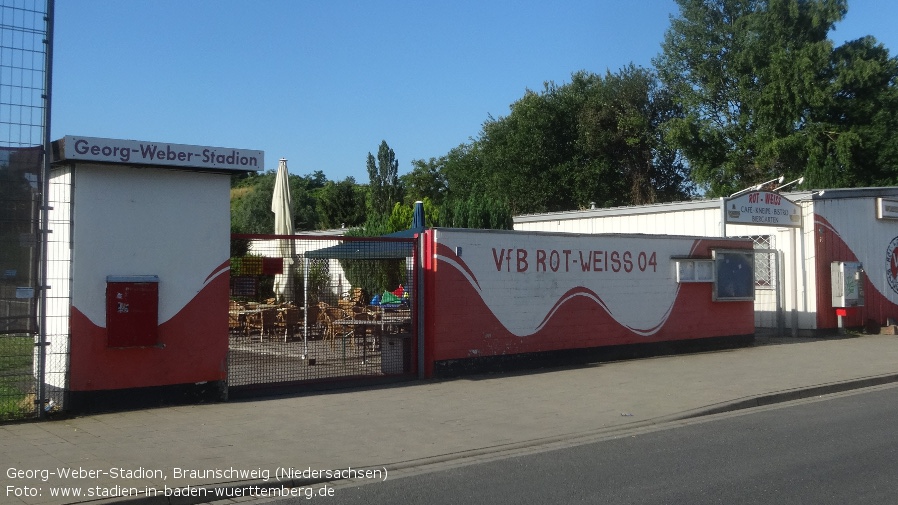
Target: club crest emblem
892, 264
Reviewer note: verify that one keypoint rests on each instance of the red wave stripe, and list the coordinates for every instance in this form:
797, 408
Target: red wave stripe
463, 326
448, 253
192, 347
226, 265
577, 291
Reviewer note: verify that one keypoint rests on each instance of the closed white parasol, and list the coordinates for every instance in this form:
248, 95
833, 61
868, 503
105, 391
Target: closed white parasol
282, 207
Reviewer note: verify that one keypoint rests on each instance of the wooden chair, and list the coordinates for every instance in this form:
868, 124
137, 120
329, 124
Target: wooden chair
236, 319
323, 320
315, 321
290, 319
264, 321
334, 329
362, 332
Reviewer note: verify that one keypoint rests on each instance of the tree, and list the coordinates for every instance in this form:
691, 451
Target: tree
340, 204
19, 201
478, 212
764, 93
384, 187
374, 275
302, 190
426, 180
594, 139
524, 153
620, 134
853, 142
251, 202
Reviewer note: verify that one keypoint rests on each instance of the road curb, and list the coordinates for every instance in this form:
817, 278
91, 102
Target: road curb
788, 395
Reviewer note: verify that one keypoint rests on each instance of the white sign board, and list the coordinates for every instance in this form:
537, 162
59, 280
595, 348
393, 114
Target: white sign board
886, 209
762, 208
136, 152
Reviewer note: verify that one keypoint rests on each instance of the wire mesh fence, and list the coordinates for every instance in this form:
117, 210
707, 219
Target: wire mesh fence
17, 381
23, 104
320, 308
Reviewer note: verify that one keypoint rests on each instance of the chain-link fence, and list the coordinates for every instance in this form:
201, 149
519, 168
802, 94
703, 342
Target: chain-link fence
24, 103
320, 309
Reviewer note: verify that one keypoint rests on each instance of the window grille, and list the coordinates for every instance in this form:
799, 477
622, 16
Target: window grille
765, 263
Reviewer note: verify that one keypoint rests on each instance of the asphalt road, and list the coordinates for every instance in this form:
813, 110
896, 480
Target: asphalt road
833, 450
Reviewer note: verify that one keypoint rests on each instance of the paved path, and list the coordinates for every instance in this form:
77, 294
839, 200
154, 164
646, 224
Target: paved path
409, 425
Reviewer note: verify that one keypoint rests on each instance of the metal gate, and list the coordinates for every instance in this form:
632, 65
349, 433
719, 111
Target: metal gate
769, 295
320, 310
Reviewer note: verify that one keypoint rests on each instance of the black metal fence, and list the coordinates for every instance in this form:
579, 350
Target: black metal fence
25, 42
19, 202
313, 309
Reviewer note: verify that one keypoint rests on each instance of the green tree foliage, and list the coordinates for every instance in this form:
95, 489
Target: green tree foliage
375, 275
303, 191
854, 140
251, 202
384, 187
401, 218
465, 173
620, 138
765, 93
476, 212
341, 204
425, 180
433, 213
592, 140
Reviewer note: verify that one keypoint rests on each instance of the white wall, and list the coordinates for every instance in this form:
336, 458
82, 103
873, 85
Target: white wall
693, 222
121, 228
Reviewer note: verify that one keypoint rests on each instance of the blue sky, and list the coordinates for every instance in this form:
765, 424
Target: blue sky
322, 83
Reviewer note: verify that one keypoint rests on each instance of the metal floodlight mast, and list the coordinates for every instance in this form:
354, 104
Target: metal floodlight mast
796, 181
756, 187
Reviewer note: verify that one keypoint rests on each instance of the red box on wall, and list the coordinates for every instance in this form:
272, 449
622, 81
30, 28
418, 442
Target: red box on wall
846, 311
132, 310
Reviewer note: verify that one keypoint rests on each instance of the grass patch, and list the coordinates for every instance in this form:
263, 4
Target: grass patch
16, 376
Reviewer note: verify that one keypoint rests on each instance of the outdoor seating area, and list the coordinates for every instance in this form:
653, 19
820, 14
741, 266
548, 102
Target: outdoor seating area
319, 307
274, 342
360, 325
264, 320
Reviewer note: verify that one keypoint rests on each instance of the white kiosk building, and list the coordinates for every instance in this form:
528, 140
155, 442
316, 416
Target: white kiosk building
138, 263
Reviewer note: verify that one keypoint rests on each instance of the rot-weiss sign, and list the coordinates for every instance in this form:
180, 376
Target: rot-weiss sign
763, 208
139, 152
